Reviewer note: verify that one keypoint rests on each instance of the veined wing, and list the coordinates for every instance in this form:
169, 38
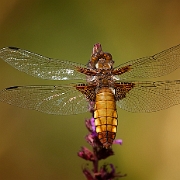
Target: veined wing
63, 100
152, 66
40, 66
151, 96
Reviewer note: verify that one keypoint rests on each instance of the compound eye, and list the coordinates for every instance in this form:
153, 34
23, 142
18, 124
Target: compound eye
108, 56
94, 58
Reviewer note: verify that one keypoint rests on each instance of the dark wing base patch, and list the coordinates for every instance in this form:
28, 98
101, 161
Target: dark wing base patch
88, 91
121, 89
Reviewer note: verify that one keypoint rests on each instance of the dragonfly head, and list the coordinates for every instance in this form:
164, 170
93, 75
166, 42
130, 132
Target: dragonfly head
99, 59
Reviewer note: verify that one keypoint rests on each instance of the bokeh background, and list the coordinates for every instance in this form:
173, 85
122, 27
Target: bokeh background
37, 146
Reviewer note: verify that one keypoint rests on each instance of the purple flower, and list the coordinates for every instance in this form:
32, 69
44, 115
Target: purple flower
106, 172
118, 141
86, 154
90, 125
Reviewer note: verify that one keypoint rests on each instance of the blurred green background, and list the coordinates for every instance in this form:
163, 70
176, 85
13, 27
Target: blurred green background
38, 146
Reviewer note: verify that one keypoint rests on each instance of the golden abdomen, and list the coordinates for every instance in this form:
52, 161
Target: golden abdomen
105, 116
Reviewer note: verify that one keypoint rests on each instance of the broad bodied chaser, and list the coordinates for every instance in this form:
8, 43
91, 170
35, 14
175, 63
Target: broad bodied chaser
102, 88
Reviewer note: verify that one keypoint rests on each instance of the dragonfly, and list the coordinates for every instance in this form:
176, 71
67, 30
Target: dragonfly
103, 87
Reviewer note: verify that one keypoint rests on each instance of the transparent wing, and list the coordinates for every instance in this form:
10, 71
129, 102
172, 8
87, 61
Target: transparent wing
39, 66
151, 96
62, 100
153, 66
